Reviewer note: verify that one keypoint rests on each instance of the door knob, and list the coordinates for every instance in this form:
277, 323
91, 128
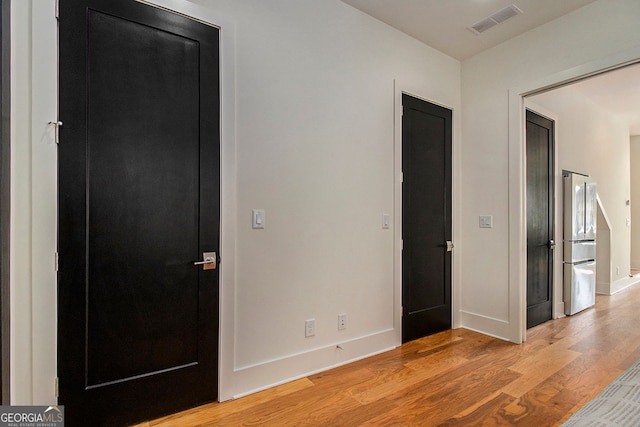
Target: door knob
209, 261
551, 244
449, 246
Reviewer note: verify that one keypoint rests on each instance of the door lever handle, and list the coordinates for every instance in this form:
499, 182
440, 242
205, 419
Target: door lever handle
449, 246
210, 261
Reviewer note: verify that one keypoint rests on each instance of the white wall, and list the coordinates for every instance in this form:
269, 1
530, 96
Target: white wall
310, 127
603, 253
315, 123
635, 201
601, 34
592, 141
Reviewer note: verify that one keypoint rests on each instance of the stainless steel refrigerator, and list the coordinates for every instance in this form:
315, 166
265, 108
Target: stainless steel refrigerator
580, 216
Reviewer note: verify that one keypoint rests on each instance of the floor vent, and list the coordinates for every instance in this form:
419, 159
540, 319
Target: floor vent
497, 18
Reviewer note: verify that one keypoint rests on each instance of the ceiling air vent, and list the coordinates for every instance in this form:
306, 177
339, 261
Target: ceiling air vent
497, 18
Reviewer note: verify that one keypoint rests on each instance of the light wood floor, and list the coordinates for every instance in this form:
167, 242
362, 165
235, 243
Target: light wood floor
456, 377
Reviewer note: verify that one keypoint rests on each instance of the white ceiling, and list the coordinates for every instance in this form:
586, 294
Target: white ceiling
443, 25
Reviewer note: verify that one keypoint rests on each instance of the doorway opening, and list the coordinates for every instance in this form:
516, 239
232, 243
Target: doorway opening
517, 212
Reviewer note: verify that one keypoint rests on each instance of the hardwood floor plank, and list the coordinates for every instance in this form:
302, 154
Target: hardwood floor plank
535, 371
196, 416
388, 385
476, 415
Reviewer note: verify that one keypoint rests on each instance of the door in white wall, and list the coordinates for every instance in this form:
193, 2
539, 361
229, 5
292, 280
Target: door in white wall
540, 214
426, 218
138, 205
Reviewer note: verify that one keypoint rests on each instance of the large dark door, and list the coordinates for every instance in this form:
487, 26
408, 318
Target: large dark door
540, 196
138, 205
426, 218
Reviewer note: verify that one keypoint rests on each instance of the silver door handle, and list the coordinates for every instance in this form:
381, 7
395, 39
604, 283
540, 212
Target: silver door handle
210, 261
551, 244
449, 246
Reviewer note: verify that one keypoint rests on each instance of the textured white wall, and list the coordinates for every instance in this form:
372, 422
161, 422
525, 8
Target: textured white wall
492, 286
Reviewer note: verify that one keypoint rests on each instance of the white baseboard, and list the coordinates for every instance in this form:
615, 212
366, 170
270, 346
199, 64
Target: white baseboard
559, 310
496, 328
243, 381
623, 283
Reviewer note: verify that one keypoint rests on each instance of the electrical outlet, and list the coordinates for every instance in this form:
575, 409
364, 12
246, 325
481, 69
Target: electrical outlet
342, 321
310, 327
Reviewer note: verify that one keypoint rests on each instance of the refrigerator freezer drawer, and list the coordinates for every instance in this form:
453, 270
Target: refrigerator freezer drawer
579, 286
579, 251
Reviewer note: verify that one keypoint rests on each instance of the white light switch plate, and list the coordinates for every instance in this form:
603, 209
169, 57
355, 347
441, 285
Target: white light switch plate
386, 220
486, 221
258, 218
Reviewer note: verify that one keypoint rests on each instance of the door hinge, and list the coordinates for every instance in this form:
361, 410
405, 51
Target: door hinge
56, 260
56, 126
402, 245
401, 177
57, 386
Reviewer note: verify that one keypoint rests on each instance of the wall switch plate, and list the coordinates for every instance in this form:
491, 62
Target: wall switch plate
342, 321
310, 327
486, 221
386, 220
258, 218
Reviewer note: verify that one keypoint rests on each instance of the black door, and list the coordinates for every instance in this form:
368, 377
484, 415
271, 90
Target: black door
138, 205
426, 218
540, 196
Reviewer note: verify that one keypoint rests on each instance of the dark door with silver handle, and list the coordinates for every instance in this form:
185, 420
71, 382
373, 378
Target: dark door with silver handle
138, 205
540, 216
426, 218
